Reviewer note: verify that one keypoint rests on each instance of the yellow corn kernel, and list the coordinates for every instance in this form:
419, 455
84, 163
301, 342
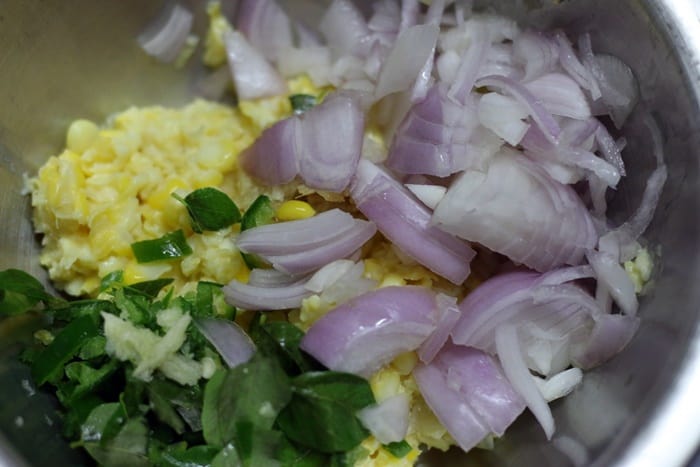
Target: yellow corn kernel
81, 135
243, 274
159, 199
405, 363
391, 280
294, 210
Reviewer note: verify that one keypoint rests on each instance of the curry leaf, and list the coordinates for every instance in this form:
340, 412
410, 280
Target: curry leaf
210, 209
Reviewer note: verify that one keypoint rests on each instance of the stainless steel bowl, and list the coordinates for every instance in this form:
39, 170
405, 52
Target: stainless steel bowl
64, 60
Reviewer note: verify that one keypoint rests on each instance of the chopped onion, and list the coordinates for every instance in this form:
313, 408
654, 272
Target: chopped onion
560, 95
559, 385
165, 37
412, 49
516, 371
232, 343
315, 61
328, 275
504, 116
388, 420
539, 114
406, 222
447, 316
610, 334
467, 391
537, 53
331, 138
345, 29
266, 26
516, 209
430, 195
369, 331
573, 66
253, 76
266, 296
272, 158
302, 246
614, 278
323, 145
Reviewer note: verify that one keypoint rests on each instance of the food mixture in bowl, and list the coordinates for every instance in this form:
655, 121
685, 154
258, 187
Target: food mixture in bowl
395, 240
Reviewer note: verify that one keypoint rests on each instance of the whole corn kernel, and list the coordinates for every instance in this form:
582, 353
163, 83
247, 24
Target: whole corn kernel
294, 210
81, 135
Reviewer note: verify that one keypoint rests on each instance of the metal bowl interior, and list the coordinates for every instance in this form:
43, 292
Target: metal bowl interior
67, 60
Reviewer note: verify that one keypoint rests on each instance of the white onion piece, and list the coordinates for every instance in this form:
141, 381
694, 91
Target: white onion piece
471, 62
315, 61
618, 76
573, 66
270, 278
516, 209
370, 330
232, 343
539, 114
302, 246
266, 297
305, 36
388, 420
610, 334
523, 297
304, 262
430, 195
349, 285
467, 391
165, 36
331, 136
266, 26
516, 371
345, 29
560, 95
609, 148
537, 53
253, 75
447, 316
385, 21
559, 385
272, 158
504, 116
614, 278
640, 220
413, 48
296, 236
328, 275
410, 9
407, 223
438, 137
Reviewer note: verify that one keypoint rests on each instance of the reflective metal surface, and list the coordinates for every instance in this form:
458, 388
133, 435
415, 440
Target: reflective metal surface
64, 60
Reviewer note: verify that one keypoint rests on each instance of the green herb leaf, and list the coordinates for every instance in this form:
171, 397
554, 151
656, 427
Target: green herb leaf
254, 392
210, 209
259, 213
280, 340
398, 449
227, 457
79, 308
137, 307
210, 302
20, 292
93, 348
84, 379
112, 440
197, 456
172, 245
291, 455
49, 363
150, 288
112, 280
175, 404
321, 414
302, 102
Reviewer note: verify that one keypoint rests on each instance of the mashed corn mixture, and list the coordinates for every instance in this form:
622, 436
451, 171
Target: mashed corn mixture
112, 186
